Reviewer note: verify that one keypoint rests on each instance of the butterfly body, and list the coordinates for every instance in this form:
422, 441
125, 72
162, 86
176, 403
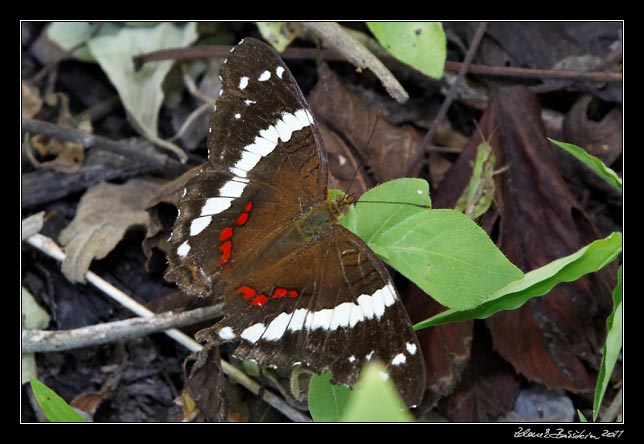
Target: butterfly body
257, 230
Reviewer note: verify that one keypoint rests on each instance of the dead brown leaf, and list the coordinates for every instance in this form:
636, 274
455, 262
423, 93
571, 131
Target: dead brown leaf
555, 339
90, 401
68, 157
386, 152
446, 348
206, 383
168, 193
600, 136
31, 101
105, 212
488, 387
344, 168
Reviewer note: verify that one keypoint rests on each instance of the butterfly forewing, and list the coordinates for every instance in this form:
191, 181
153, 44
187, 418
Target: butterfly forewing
261, 113
255, 229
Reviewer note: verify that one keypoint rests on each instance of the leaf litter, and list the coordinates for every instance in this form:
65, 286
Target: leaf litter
546, 222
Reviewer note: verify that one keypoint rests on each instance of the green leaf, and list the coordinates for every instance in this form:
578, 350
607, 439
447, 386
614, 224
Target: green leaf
588, 259
419, 44
591, 162
612, 347
386, 205
68, 35
55, 407
375, 398
141, 91
327, 401
581, 416
442, 251
277, 34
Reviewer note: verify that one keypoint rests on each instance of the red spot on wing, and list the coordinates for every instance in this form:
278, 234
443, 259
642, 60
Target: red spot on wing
279, 292
248, 207
226, 233
293, 293
242, 219
246, 291
226, 249
260, 300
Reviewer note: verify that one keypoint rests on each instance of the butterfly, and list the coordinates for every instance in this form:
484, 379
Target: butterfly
257, 230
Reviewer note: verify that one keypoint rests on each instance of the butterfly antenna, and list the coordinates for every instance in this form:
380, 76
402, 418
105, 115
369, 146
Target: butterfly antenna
371, 133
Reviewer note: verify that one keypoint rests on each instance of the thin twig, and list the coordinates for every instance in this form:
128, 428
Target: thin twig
200, 52
49, 247
194, 115
39, 341
592, 74
427, 140
164, 164
192, 87
355, 52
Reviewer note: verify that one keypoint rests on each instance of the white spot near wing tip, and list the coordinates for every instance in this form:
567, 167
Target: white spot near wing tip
183, 249
411, 348
221, 91
370, 355
399, 359
279, 71
352, 359
249, 102
342, 160
237, 116
243, 82
209, 129
185, 191
226, 333
264, 76
199, 224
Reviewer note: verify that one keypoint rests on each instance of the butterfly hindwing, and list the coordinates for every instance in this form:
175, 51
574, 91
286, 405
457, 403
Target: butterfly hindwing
332, 307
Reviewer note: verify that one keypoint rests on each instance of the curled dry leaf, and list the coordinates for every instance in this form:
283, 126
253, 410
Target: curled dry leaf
104, 214
556, 339
601, 136
385, 149
68, 156
206, 383
168, 193
31, 101
90, 401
